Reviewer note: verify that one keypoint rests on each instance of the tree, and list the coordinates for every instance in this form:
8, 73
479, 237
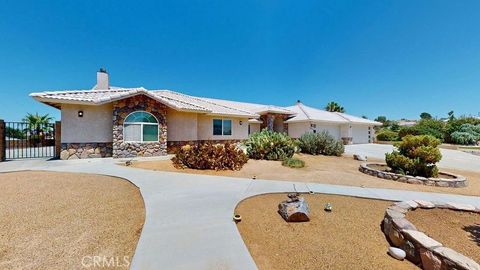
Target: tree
364, 117
37, 124
425, 115
334, 107
381, 119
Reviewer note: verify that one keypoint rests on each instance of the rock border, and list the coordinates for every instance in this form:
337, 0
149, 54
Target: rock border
420, 248
458, 181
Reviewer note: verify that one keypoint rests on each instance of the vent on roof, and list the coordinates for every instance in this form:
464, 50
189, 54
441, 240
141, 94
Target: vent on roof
102, 80
298, 101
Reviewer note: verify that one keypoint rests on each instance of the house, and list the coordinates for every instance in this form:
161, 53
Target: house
128, 122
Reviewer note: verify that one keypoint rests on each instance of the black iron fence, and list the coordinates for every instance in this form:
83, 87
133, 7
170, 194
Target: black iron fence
27, 140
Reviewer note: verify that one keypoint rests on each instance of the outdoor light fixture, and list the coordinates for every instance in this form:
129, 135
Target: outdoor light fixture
80, 113
240, 122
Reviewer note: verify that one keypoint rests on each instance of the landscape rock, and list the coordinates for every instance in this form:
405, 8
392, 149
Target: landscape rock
461, 206
425, 204
359, 157
397, 253
294, 209
457, 258
422, 239
429, 260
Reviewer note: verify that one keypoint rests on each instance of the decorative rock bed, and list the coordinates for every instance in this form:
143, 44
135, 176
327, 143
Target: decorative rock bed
456, 181
421, 249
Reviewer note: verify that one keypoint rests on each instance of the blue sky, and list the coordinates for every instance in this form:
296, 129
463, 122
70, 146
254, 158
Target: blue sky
393, 58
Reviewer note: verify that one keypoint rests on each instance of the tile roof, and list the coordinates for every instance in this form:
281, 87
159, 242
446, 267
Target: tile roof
306, 113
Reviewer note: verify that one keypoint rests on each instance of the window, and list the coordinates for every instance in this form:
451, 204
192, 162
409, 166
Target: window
222, 127
140, 127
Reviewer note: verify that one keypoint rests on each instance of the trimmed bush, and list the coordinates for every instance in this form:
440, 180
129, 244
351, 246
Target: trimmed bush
387, 135
210, 157
320, 144
270, 145
416, 156
293, 163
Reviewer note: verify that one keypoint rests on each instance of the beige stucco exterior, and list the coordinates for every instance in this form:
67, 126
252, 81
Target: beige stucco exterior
254, 127
96, 125
182, 126
205, 128
297, 129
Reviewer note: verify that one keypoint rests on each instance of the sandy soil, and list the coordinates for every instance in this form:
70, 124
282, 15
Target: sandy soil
52, 220
319, 169
347, 238
454, 229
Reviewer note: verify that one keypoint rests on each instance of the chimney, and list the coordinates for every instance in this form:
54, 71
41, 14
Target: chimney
102, 80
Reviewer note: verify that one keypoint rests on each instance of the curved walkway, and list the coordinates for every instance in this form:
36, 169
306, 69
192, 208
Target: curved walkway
188, 221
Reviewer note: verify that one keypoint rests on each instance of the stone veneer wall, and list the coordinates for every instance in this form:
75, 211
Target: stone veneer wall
121, 109
173, 146
85, 150
269, 119
421, 249
457, 181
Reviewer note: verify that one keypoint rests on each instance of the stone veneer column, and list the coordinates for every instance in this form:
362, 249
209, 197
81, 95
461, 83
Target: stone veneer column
58, 138
2, 141
121, 109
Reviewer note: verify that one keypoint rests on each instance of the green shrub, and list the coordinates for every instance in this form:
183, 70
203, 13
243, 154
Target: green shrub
293, 163
416, 155
404, 131
320, 144
432, 127
455, 124
387, 135
270, 145
210, 157
463, 138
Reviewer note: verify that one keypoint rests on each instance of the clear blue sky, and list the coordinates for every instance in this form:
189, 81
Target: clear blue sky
393, 58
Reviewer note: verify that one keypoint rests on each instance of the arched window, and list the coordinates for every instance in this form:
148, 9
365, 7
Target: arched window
140, 127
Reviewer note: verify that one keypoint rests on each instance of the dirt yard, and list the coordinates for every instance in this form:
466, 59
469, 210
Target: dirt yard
53, 220
454, 229
349, 237
319, 169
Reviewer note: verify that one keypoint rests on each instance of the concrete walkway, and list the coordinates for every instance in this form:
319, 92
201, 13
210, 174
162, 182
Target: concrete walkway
451, 159
189, 217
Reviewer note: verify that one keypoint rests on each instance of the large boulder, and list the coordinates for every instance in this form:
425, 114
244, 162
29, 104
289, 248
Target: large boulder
295, 209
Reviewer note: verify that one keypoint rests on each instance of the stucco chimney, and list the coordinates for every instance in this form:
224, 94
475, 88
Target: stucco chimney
102, 80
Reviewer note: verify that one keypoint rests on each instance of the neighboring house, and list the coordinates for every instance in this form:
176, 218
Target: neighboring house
129, 122
407, 123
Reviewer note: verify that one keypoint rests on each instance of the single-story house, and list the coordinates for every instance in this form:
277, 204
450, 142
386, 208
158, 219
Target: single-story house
128, 122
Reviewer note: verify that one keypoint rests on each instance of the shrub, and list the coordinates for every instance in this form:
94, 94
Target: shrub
320, 143
464, 138
210, 157
432, 127
293, 163
270, 145
455, 124
404, 131
387, 135
416, 155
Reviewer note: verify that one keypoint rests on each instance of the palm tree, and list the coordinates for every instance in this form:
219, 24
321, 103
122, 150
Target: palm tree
37, 124
334, 107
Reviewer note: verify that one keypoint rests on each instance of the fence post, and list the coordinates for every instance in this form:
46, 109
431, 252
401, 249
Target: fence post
58, 138
3, 145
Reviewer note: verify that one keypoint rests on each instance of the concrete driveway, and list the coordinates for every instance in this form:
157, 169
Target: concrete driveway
188, 223
452, 159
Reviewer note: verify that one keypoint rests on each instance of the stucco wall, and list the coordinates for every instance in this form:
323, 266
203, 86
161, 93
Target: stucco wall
332, 129
295, 130
182, 126
205, 128
95, 125
254, 127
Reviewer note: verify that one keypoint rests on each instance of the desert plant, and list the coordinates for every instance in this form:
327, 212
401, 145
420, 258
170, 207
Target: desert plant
320, 144
466, 134
293, 163
270, 145
387, 135
210, 157
416, 155
455, 124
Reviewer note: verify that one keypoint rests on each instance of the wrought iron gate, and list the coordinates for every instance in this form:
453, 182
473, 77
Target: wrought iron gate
26, 140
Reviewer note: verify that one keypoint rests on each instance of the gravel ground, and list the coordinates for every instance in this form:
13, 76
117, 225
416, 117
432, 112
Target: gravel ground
347, 238
454, 229
320, 169
53, 220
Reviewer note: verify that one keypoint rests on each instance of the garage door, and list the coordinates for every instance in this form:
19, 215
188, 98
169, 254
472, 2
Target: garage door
360, 134
334, 130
